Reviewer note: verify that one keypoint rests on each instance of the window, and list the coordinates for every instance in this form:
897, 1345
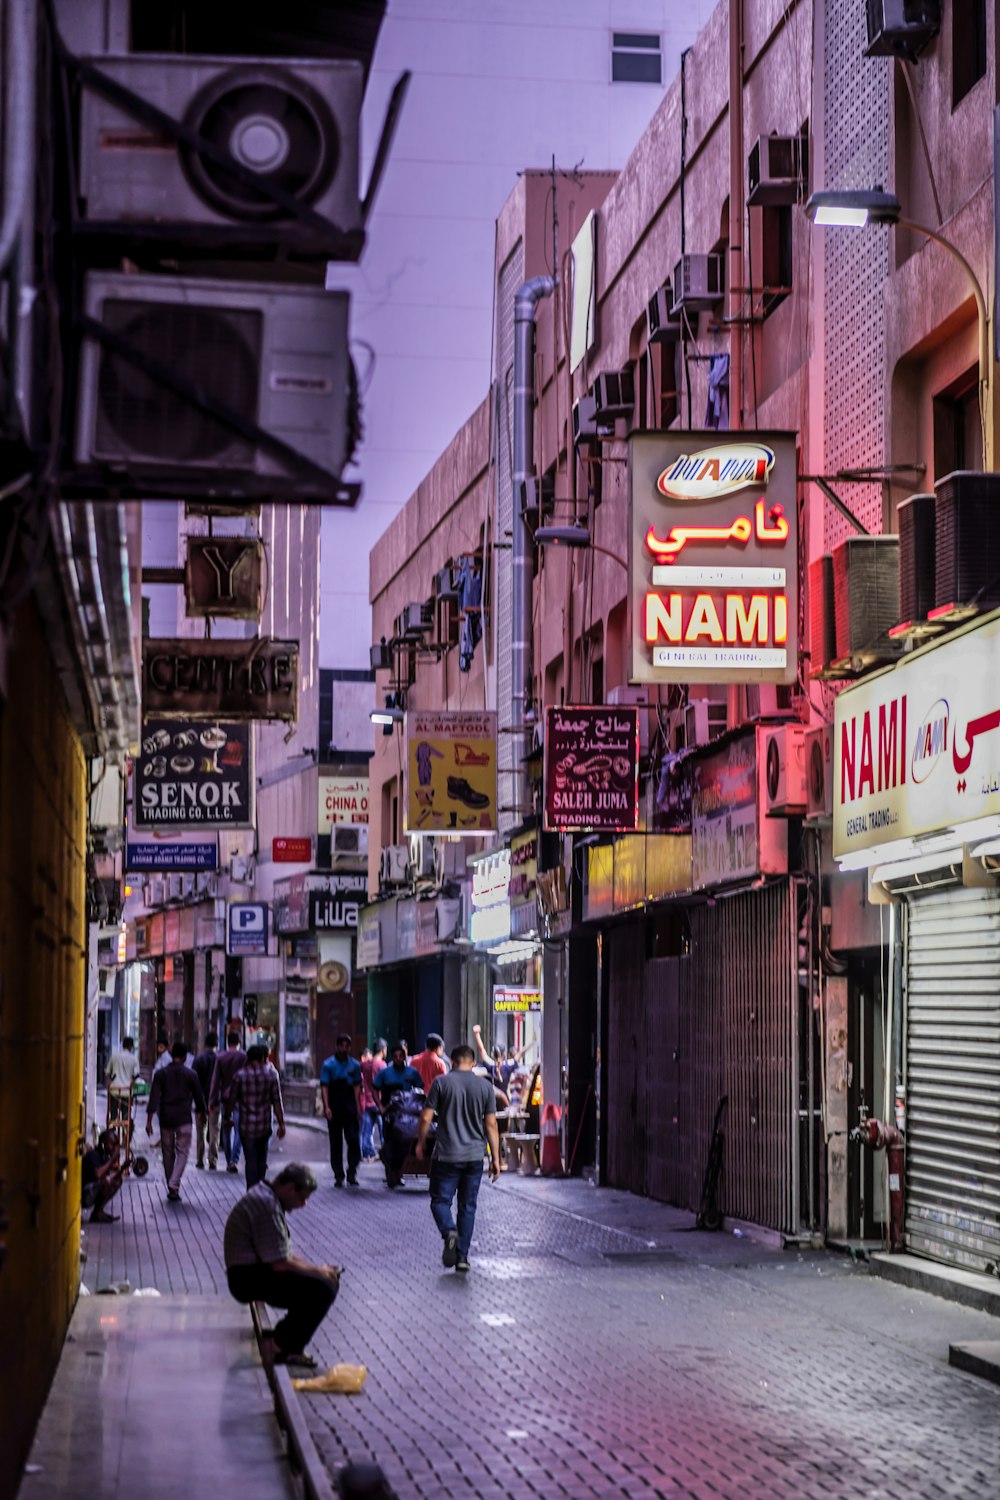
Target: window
958, 428
968, 47
635, 58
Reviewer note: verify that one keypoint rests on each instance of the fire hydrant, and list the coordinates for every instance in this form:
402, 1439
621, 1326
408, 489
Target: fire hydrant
879, 1136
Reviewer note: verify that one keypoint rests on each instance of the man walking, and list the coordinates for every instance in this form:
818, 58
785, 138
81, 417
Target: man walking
340, 1082
120, 1075
430, 1063
255, 1093
219, 1098
261, 1265
207, 1124
175, 1089
465, 1105
372, 1063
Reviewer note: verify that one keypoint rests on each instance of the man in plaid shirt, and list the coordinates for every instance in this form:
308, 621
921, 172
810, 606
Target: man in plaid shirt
255, 1092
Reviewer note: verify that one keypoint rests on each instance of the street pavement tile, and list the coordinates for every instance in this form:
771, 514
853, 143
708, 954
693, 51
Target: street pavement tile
699, 1367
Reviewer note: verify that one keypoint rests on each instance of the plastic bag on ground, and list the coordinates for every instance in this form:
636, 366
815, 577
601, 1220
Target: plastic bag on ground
339, 1380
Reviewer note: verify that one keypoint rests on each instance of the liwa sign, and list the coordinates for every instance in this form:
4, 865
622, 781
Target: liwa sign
713, 557
592, 768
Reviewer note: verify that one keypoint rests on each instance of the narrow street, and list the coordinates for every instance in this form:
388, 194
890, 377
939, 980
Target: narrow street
600, 1347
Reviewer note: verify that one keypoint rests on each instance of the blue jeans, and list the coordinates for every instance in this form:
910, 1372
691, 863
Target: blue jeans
255, 1151
368, 1120
231, 1139
447, 1179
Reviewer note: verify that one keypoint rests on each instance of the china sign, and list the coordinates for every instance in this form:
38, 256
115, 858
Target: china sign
193, 775
451, 772
592, 769
342, 799
917, 748
713, 557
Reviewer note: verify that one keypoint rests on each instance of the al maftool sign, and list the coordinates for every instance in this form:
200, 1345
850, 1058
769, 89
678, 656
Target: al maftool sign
713, 557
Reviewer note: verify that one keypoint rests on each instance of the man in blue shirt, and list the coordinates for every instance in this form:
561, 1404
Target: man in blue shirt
340, 1081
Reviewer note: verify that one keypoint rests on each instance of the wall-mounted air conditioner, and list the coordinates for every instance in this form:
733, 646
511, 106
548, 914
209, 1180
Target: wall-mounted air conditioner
189, 884
293, 125
446, 583
915, 520
380, 656
819, 772
822, 614
587, 428
663, 325
272, 357
614, 395
698, 283
901, 28
704, 720
629, 696
394, 865
421, 856
449, 860
967, 540
781, 757
866, 595
242, 869
415, 620
778, 170
350, 840
207, 884
175, 887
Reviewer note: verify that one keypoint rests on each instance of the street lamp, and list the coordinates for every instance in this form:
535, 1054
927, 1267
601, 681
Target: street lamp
875, 206
576, 536
389, 716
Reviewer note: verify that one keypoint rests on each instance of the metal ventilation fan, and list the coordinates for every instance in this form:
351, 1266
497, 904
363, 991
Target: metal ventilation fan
967, 540
271, 122
217, 349
915, 519
866, 593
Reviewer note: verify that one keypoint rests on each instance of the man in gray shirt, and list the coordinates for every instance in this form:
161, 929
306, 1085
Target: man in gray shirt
465, 1105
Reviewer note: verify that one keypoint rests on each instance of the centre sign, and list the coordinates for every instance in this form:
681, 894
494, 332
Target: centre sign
221, 679
713, 557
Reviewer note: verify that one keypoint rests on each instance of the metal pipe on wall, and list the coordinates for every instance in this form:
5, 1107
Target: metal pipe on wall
736, 213
526, 301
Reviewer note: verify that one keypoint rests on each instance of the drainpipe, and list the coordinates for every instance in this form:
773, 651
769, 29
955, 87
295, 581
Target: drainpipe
737, 213
525, 303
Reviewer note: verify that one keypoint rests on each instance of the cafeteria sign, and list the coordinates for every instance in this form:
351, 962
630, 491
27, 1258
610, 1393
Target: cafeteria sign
451, 773
508, 1002
713, 557
591, 769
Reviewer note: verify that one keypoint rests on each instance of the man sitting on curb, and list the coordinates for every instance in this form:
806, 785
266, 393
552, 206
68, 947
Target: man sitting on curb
101, 1177
262, 1267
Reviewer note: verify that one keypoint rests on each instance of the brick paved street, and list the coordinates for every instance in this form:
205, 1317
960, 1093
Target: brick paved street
579, 1359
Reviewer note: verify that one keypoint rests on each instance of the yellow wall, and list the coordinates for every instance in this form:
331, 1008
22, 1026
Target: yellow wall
42, 980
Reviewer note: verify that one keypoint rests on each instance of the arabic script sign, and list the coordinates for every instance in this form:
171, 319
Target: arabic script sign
917, 748
451, 772
592, 768
713, 559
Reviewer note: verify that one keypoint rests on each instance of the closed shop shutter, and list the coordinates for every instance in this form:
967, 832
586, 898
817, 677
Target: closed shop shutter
953, 1077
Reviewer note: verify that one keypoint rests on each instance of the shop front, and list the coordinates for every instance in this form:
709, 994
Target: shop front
183, 949
917, 806
406, 946
319, 994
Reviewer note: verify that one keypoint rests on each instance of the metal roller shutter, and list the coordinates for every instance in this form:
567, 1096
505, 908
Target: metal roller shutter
953, 1077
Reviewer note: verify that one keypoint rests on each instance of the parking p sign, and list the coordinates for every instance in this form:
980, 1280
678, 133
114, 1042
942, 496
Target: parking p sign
246, 929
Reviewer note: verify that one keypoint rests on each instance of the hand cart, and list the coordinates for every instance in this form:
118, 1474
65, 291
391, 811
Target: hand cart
123, 1126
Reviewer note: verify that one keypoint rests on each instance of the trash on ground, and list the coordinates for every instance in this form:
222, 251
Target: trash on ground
339, 1380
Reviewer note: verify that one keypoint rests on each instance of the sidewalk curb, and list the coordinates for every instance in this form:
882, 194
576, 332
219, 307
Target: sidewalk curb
292, 1420
969, 1288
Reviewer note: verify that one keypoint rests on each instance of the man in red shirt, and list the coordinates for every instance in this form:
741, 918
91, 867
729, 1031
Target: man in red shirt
372, 1063
430, 1063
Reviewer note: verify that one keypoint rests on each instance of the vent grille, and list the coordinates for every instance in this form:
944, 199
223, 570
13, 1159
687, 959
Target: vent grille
967, 540
216, 349
915, 519
866, 591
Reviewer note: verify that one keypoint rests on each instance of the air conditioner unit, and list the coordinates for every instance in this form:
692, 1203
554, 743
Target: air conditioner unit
866, 595
704, 720
147, 894
207, 884
614, 395
627, 696
380, 656
822, 614
819, 772
272, 357
292, 124
449, 860
98, 26
416, 620
175, 887
697, 283
394, 865
901, 28
662, 324
915, 519
781, 757
422, 856
350, 839
586, 426
446, 583
778, 170
967, 540
189, 885
242, 869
